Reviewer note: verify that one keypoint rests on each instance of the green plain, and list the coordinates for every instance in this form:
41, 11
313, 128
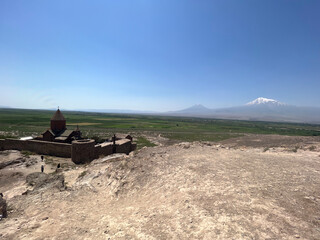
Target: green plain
22, 122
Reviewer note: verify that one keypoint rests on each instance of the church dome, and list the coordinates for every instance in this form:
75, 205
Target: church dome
58, 122
58, 116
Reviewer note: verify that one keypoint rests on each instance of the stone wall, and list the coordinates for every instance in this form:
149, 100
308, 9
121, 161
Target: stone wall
40, 147
123, 146
80, 151
3, 145
103, 149
83, 151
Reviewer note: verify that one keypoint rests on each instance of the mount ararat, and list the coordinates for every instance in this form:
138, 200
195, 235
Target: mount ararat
260, 109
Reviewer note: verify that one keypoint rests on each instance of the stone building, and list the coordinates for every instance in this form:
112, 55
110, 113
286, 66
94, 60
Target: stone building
58, 131
123, 136
62, 142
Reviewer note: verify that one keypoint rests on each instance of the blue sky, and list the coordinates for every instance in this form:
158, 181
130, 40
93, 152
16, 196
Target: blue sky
158, 55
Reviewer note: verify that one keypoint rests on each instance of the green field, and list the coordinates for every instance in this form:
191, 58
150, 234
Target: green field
20, 122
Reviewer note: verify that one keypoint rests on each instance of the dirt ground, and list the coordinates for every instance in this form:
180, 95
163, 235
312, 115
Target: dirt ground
253, 187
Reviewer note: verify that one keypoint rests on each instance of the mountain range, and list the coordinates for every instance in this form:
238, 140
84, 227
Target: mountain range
260, 109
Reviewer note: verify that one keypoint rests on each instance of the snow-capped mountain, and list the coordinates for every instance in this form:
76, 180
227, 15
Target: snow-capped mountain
260, 109
262, 100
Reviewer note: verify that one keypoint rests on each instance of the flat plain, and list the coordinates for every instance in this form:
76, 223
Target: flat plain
241, 185
22, 122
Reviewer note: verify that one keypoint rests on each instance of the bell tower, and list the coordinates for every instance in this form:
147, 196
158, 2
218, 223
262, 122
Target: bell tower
58, 122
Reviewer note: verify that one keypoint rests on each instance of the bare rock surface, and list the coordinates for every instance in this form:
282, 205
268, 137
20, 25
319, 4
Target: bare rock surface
270, 141
195, 190
12, 162
39, 180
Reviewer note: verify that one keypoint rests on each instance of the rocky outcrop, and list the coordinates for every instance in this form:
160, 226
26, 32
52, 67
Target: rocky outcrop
42, 180
12, 162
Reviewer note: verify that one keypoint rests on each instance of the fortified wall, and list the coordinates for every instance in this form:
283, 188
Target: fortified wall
80, 151
60, 142
40, 147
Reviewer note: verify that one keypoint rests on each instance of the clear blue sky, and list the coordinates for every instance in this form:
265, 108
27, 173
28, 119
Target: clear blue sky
158, 55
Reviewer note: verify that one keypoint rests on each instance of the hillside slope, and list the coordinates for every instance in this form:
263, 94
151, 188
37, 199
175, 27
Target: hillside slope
184, 191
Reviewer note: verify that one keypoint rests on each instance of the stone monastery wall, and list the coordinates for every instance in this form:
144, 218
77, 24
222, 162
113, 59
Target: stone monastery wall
80, 151
103, 150
40, 147
124, 146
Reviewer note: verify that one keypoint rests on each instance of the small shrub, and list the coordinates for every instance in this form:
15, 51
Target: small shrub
295, 149
265, 149
81, 175
27, 153
49, 160
312, 148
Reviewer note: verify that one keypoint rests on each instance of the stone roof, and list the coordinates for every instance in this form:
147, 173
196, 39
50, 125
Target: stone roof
66, 133
58, 116
122, 141
60, 138
122, 135
50, 131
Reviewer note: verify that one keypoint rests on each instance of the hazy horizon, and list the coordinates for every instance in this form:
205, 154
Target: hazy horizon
158, 55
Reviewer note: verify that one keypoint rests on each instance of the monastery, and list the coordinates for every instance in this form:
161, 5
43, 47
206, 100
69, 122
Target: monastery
62, 142
58, 131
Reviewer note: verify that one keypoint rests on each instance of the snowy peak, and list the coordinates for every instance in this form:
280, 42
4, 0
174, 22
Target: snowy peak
263, 101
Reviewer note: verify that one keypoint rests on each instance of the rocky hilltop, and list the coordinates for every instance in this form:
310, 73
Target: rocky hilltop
254, 187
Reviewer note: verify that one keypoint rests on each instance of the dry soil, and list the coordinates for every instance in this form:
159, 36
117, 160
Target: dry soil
254, 187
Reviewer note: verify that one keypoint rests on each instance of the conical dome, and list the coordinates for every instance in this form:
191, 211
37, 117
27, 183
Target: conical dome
58, 116
58, 122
